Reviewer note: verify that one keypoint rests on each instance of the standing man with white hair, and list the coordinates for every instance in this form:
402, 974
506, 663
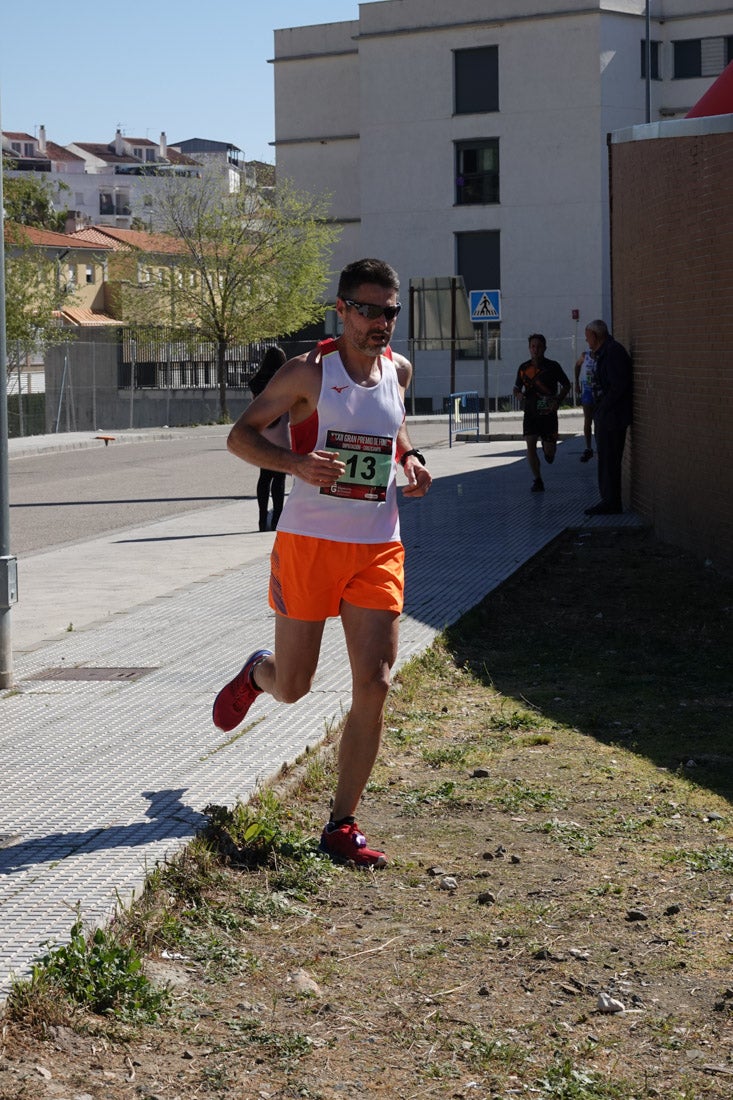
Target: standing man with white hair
611, 414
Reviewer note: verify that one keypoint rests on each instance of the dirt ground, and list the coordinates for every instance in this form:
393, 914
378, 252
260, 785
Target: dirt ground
556, 920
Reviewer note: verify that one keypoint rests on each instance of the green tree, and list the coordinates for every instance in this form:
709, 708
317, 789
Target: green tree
29, 201
252, 265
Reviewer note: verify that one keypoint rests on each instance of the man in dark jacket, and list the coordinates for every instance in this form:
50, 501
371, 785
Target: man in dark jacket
611, 414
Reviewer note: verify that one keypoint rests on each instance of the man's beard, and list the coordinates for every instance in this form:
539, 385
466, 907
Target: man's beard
367, 344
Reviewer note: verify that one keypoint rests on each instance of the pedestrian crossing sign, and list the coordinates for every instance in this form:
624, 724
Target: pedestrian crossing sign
485, 305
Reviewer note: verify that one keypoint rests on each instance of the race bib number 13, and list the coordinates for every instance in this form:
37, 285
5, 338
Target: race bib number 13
368, 461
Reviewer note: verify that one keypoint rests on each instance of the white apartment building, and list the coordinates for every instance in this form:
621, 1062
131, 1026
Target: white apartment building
470, 138
114, 183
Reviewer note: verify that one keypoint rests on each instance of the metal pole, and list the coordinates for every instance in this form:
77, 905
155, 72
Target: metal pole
61, 391
95, 426
8, 577
132, 382
21, 426
453, 283
486, 377
412, 348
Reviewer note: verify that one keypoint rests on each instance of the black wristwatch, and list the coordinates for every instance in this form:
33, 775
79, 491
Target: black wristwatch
418, 455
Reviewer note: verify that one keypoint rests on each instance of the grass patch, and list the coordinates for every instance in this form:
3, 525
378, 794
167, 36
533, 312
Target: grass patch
553, 793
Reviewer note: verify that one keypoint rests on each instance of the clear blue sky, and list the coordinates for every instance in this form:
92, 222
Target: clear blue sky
194, 68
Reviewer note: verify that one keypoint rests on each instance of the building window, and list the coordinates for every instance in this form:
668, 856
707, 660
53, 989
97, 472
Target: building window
90, 273
477, 171
476, 80
687, 58
729, 49
701, 56
478, 259
653, 59
106, 202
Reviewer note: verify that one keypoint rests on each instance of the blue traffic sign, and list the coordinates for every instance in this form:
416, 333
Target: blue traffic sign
485, 305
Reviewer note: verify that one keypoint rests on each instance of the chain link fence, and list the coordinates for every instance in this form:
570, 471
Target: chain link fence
123, 380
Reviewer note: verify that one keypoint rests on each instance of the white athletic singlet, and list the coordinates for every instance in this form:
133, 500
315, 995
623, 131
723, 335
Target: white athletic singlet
361, 423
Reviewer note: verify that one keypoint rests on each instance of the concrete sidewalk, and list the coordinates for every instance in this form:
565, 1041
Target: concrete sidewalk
108, 751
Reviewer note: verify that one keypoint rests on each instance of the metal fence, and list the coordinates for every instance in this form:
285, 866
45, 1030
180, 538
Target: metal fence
157, 360
463, 415
120, 379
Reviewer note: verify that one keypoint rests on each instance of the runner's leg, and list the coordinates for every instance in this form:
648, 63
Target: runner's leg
288, 674
549, 449
532, 456
371, 641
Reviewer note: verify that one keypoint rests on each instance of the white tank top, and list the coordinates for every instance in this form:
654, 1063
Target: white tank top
361, 423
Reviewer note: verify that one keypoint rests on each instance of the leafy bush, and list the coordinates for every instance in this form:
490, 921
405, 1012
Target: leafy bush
97, 973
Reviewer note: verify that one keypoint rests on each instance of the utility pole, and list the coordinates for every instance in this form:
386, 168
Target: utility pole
8, 569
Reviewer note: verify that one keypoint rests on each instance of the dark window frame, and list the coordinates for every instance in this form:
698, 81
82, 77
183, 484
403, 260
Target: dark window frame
687, 54
655, 54
476, 80
478, 260
476, 186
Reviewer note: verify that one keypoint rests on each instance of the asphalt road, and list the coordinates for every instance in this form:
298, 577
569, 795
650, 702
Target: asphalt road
72, 496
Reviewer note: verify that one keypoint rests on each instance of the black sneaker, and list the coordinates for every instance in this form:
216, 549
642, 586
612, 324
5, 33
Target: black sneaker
538, 485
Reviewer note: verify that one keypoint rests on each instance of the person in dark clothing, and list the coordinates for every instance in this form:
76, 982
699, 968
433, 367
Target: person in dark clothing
537, 386
271, 482
611, 414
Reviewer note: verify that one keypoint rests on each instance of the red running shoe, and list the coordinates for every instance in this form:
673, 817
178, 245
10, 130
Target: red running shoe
234, 700
346, 844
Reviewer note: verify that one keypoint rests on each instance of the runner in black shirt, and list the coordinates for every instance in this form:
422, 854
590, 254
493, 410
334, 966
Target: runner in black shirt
537, 386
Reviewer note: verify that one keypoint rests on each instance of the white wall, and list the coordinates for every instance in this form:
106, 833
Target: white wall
569, 73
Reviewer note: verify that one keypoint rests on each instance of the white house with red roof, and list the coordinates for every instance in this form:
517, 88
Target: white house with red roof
100, 183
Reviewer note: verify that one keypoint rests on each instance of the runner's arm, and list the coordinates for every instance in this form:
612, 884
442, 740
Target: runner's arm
293, 391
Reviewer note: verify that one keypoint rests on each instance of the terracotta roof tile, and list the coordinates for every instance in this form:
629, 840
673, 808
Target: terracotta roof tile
133, 238
28, 234
87, 317
104, 152
58, 152
181, 158
99, 237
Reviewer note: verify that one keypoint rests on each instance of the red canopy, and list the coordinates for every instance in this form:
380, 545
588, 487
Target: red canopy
718, 99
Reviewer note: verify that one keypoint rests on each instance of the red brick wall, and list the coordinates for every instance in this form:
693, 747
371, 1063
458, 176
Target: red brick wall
672, 270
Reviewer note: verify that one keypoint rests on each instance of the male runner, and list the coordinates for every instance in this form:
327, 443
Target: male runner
337, 551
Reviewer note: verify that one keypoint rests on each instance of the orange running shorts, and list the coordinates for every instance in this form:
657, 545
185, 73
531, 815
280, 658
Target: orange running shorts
309, 577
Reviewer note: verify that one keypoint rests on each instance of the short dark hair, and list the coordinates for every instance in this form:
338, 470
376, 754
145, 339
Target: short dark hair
537, 336
359, 272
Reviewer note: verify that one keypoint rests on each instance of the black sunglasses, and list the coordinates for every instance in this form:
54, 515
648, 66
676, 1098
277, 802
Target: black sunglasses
371, 312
